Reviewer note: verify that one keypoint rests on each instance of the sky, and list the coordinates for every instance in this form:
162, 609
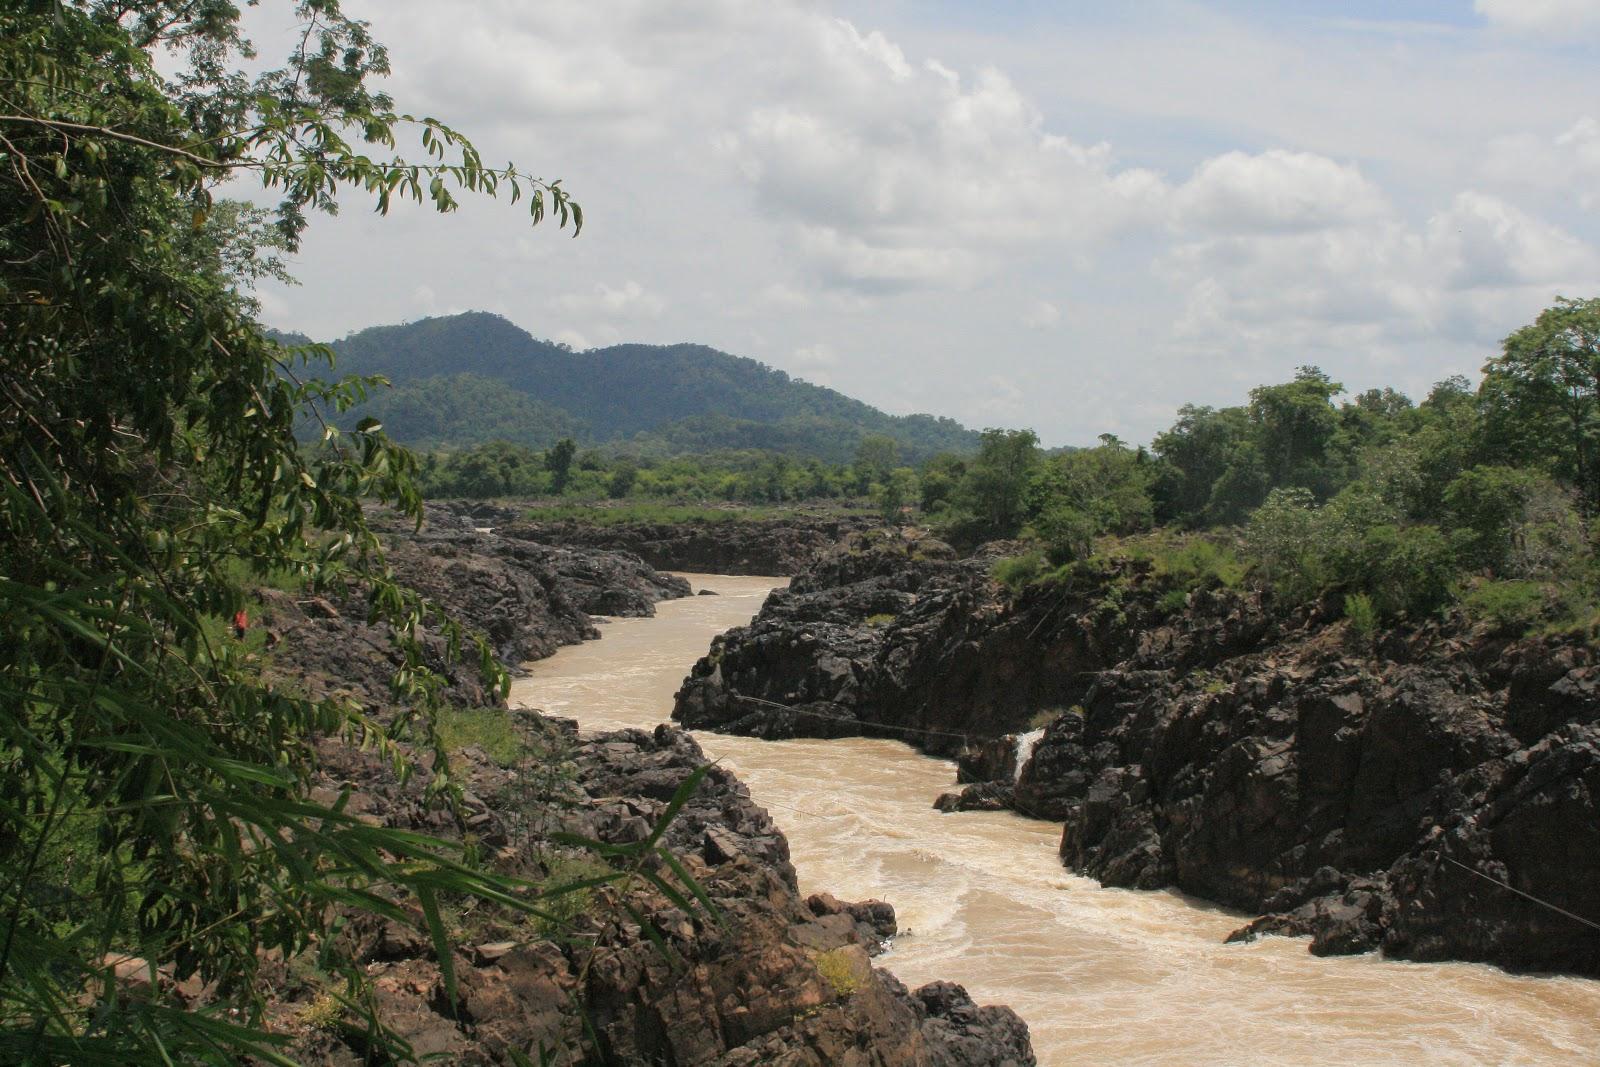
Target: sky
1073, 217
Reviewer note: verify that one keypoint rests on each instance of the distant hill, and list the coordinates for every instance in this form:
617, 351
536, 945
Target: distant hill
465, 379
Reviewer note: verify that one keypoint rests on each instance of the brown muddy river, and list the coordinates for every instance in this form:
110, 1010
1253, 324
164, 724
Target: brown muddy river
1101, 975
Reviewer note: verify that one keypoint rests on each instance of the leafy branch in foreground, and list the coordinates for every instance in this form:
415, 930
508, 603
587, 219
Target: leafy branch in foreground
155, 807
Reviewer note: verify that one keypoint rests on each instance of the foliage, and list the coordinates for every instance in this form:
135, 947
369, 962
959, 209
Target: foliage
1078, 495
895, 495
147, 456
1361, 614
1514, 604
1351, 545
658, 514
491, 729
1017, 572
838, 967
558, 461
1197, 562
992, 497
938, 480
1542, 396
502, 469
462, 410
1065, 532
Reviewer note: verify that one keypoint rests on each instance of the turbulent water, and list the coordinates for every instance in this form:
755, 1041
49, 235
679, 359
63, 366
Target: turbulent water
1101, 975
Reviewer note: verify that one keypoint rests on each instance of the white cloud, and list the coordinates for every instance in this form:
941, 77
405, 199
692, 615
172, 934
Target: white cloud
1378, 281
574, 340
894, 177
1041, 316
1276, 191
1565, 166
630, 300
1540, 16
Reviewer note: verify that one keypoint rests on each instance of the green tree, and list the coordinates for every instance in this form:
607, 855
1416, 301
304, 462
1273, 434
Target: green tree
939, 479
876, 456
1294, 423
1197, 453
147, 459
994, 489
896, 492
1542, 395
1109, 485
558, 461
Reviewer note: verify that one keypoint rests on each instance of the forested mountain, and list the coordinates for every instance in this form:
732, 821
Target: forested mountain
450, 376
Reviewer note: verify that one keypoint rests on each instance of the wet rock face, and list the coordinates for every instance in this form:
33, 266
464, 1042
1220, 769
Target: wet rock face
776, 979
1369, 797
887, 635
1366, 802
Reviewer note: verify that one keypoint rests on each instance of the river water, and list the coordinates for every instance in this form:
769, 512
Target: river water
1101, 975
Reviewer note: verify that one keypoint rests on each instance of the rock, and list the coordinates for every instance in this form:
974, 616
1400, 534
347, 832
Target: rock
526, 599
776, 979
737, 545
1233, 749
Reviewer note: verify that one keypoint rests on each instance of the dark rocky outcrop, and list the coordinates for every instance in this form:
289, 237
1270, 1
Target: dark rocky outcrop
776, 546
527, 599
888, 635
772, 979
1371, 794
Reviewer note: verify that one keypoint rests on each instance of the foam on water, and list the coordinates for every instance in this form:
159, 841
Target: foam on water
1026, 743
1101, 975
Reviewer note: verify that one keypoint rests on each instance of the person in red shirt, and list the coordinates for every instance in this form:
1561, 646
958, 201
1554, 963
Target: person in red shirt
241, 623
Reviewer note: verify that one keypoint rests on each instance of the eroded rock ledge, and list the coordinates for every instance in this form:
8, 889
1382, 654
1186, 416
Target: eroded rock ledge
1370, 793
779, 980
736, 545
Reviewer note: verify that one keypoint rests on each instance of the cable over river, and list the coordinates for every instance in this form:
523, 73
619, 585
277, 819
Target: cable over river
1101, 975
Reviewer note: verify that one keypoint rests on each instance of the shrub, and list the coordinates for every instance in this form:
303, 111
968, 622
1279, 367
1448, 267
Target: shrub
491, 729
1512, 604
838, 968
1018, 571
1066, 533
1361, 613
1199, 563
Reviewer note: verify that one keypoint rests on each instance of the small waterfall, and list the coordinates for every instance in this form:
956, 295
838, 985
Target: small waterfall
1025, 746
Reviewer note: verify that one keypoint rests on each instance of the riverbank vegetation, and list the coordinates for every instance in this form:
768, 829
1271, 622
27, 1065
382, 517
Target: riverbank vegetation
1476, 497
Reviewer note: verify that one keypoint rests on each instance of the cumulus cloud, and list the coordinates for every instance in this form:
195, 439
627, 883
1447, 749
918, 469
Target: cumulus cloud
895, 176
1276, 191
629, 300
1566, 165
1379, 279
1540, 16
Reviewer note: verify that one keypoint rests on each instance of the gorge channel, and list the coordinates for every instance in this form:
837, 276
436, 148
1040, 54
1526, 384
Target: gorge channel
1101, 975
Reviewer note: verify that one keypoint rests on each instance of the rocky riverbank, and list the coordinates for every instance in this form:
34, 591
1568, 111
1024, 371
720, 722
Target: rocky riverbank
732, 545
630, 974
1373, 792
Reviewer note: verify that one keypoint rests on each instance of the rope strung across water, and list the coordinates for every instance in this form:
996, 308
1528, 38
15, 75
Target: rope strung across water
1023, 810
1506, 885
